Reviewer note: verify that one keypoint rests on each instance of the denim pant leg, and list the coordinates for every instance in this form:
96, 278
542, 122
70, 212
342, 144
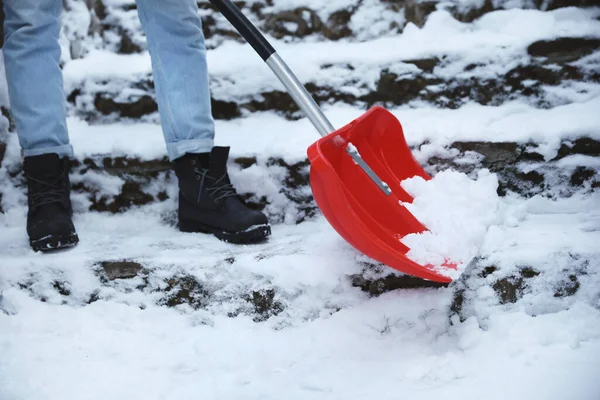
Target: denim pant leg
176, 44
34, 78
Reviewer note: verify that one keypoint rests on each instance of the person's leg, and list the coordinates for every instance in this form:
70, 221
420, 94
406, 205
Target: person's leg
37, 100
34, 79
176, 44
207, 200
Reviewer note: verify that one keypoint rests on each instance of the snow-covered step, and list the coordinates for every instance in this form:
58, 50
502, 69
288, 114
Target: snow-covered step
435, 64
116, 25
300, 263
120, 166
427, 129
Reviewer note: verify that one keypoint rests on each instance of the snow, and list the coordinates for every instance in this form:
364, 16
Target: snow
330, 339
457, 212
513, 121
498, 39
398, 343
102, 64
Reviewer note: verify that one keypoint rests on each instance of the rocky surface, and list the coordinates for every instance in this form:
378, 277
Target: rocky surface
517, 287
121, 269
552, 64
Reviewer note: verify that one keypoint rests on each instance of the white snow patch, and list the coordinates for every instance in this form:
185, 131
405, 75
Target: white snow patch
457, 211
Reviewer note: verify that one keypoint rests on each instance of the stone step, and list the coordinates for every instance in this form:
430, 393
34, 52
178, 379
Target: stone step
546, 74
281, 188
117, 25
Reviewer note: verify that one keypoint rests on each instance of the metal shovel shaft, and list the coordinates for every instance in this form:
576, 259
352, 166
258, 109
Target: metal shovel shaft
289, 80
300, 95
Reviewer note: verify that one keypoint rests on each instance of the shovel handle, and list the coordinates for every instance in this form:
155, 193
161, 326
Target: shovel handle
248, 31
293, 86
264, 49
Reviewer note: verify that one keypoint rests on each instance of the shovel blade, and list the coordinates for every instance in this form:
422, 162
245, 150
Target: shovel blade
369, 220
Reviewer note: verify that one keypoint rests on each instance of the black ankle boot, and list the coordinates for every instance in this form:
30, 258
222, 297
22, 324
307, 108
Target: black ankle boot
49, 223
209, 203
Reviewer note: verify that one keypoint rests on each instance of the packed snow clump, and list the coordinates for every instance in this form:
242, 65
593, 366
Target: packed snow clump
457, 211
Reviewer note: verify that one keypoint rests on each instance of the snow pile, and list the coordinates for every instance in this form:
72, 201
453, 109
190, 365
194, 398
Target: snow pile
457, 211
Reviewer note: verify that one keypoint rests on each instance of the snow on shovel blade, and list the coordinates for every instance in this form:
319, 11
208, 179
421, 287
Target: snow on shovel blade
371, 221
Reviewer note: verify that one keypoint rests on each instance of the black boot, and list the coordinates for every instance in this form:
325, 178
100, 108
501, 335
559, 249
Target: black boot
209, 203
49, 223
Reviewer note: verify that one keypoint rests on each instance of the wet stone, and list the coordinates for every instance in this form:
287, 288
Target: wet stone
298, 175
272, 101
61, 288
582, 175
509, 290
474, 12
127, 166
264, 304
136, 175
131, 195
225, 110
497, 154
529, 272
127, 45
144, 105
417, 11
2, 151
396, 90
533, 72
337, 26
376, 287
488, 271
94, 297
426, 64
304, 20
585, 146
563, 50
185, 290
245, 162
554, 4
513, 180
458, 302
569, 287
121, 269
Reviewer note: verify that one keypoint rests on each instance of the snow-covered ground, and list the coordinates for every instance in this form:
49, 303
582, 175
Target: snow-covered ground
400, 344
291, 318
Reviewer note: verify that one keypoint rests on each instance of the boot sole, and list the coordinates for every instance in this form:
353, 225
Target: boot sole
254, 234
54, 242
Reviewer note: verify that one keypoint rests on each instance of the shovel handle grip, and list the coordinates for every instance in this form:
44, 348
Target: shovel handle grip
243, 25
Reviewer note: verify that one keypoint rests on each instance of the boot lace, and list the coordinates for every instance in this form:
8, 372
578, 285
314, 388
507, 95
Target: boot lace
217, 193
47, 192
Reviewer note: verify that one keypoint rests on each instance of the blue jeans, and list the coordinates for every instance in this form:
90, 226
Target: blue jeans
35, 83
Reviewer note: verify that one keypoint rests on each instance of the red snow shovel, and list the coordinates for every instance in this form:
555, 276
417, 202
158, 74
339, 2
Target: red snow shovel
356, 170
